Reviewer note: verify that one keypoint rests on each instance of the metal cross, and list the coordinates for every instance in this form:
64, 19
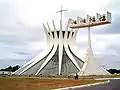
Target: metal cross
61, 14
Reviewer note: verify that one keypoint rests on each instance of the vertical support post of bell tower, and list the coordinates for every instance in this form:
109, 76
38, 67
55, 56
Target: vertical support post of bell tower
89, 51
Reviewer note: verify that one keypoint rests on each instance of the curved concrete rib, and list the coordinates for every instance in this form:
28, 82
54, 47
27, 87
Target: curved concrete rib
55, 43
60, 48
69, 53
55, 33
37, 59
73, 46
60, 45
48, 59
46, 33
60, 57
71, 57
49, 30
28, 63
42, 54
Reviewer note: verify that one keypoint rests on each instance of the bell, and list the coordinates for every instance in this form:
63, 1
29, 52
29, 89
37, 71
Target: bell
100, 19
75, 22
103, 18
84, 21
90, 19
93, 19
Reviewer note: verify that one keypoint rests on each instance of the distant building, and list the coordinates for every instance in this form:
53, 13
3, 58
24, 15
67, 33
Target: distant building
5, 72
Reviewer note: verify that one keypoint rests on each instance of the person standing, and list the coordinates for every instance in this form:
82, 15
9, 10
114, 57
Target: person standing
76, 76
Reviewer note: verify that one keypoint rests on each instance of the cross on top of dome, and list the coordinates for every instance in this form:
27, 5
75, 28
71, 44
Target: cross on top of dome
61, 11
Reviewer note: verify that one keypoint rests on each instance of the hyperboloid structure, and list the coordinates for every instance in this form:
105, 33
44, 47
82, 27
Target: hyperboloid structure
61, 56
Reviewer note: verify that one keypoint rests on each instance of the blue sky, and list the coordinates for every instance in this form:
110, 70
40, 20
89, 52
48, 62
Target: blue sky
22, 35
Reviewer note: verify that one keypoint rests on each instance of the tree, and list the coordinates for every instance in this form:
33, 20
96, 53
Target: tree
10, 68
113, 71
